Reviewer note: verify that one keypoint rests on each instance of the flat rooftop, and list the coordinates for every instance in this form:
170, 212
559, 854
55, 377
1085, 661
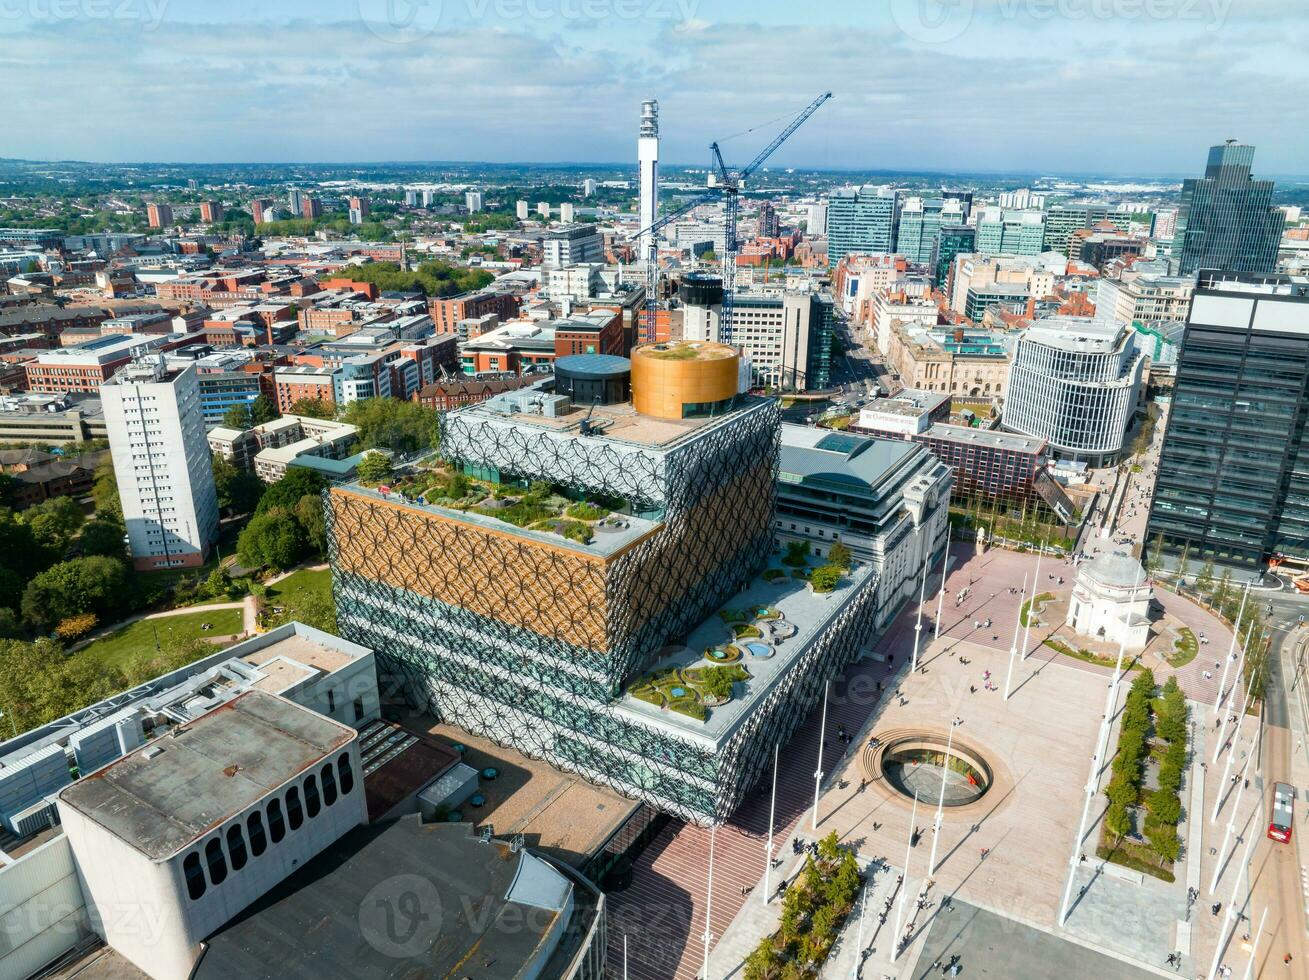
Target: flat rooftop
839, 456
558, 813
809, 612
624, 423
1080, 335
603, 543
492, 909
175, 789
992, 438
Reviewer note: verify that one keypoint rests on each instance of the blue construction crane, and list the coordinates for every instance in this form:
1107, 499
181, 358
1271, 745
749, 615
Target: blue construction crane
724, 185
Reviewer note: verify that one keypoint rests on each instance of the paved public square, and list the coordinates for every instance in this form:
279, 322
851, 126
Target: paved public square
1039, 745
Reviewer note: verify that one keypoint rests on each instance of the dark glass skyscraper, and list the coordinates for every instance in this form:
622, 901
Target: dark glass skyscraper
1233, 480
1227, 219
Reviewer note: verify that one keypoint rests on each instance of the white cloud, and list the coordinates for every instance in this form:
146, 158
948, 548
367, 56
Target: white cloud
1091, 98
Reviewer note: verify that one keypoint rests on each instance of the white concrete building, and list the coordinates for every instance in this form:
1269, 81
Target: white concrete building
473, 201
161, 461
1111, 601
567, 212
174, 839
647, 155
572, 245
774, 329
816, 220
1075, 382
522, 209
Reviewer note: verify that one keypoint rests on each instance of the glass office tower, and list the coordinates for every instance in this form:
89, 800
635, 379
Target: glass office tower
860, 221
1227, 219
1233, 480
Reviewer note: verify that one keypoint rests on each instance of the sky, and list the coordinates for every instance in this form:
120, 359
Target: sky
1137, 87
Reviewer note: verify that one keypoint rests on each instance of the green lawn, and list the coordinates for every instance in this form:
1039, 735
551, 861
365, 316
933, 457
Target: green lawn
136, 643
305, 596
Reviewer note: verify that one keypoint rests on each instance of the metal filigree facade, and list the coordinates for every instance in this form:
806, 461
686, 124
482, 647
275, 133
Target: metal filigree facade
530, 644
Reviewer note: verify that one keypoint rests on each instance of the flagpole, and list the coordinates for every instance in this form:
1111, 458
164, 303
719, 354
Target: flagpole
945, 570
772, 812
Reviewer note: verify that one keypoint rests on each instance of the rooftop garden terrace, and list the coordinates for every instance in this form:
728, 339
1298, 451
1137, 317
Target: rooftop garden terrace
537, 506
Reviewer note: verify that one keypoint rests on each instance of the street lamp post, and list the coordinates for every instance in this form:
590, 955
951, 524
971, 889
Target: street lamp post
772, 812
1254, 944
1092, 783
940, 803
918, 624
822, 738
1226, 710
1236, 740
1231, 821
709, 903
945, 571
904, 884
1231, 648
1031, 607
1223, 936
1013, 647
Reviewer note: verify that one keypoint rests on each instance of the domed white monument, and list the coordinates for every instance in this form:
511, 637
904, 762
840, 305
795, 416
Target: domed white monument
1111, 601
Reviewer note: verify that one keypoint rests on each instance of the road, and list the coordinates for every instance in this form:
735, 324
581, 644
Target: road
1278, 885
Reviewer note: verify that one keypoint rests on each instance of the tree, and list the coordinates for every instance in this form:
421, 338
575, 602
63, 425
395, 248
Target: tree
389, 423
314, 408
54, 522
237, 417
105, 492
286, 492
272, 539
239, 492
94, 584
11, 627
309, 512
19, 550
826, 578
100, 537
76, 626
840, 556
1164, 840
1204, 582
1118, 821
262, 410
374, 468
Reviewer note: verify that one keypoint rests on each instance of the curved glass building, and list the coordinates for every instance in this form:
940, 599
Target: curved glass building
1075, 382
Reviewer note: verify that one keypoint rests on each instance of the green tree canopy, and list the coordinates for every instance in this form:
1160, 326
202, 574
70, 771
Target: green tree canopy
286, 492
93, 584
238, 491
389, 423
272, 539
309, 512
314, 408
105, 492
100, 537
54, 522
430, 278
374, 469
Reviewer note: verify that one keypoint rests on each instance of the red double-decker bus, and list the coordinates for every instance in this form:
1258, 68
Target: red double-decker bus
1279, 827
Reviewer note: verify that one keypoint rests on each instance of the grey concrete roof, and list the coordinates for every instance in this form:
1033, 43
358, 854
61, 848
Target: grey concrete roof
1115, 569
178, 787
328, 919
839, 456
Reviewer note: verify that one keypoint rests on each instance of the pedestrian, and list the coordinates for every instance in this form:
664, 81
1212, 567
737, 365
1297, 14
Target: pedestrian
1287, 959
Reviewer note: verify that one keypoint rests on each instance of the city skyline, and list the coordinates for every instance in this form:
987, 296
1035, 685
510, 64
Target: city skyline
1011, 84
